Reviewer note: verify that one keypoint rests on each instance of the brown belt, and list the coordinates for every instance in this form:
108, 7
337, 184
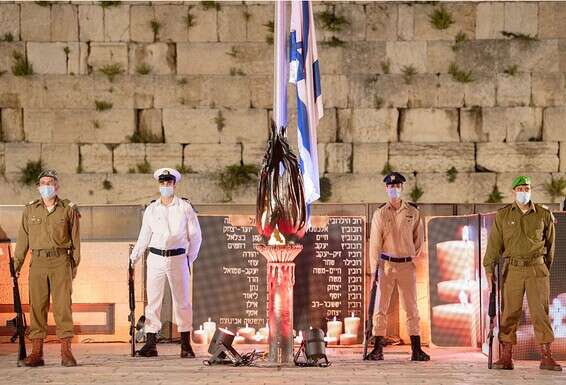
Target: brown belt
55, 252
526, 262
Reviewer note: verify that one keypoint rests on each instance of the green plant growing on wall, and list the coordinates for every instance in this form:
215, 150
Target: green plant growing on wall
247, 15
106, 184
184, 169
236, 72
182, 81
8, 37
190, 20
334, 42
387, 169
555, 188
519, 36
451, 174
459, 39
460, 75
31, 172
495, 196
96, 124
377, 101
236, 176
270, 31
109, 4
206, 5
325, 189
144, 136
440, 18
2, 73
102, 105
143, 69
155, 27
144, 167
219, 120
511, 70
21, 66
111, 70
416, 193
43, 3
408, 73
332, 22
234, 52
386, 66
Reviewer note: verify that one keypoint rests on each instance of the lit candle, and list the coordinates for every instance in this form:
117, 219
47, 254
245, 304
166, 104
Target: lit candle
200, 336
352, 324
334, 328
248, 333
210, 328
260, 338
299, 338
455, 257
455, 322
330, 340
348, 339
238, 339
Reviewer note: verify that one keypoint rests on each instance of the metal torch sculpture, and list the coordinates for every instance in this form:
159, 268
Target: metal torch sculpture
281, 219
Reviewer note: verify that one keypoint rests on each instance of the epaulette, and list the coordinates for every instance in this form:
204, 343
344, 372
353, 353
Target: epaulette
152, 201
32, 202
505, 207
543, 206
381, 205
413, 204
190, 203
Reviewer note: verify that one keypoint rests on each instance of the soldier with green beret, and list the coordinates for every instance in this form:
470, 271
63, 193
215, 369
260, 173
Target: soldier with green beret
50, 229
523, 232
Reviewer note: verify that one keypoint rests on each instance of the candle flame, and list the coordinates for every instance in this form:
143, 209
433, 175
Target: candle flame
334, 318
208, 319
352, 314
466, 233
200, 327
463, 297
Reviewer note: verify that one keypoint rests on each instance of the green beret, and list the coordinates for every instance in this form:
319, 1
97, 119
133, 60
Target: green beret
521, 180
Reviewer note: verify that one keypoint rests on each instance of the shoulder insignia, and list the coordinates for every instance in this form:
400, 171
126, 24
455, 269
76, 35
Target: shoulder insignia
413, 204
32, 202
505, 207
190, 204
153, 200
544, 207
382, 205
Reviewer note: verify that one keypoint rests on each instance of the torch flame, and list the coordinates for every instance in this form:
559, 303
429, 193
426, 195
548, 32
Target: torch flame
466, 233
276, 238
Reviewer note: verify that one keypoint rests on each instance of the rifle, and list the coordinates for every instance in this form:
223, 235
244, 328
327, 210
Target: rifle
132, 315
492, 312
19, 322
371, 306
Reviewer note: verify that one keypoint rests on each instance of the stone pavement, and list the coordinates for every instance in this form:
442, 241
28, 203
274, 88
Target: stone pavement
111, 364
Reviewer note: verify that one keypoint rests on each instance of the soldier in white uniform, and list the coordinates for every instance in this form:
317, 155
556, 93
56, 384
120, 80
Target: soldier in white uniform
171, 230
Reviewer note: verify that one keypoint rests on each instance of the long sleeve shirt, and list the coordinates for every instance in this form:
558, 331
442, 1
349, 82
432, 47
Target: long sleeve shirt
174, 226
397, 233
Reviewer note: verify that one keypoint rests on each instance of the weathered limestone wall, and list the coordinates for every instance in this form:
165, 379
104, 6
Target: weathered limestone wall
200, 81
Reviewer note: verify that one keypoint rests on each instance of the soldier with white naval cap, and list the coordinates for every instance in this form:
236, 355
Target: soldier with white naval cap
171, 230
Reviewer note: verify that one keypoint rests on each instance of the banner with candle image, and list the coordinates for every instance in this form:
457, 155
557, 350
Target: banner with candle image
527, 347
453, 255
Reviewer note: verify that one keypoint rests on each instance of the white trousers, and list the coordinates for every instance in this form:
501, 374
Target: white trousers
176, 271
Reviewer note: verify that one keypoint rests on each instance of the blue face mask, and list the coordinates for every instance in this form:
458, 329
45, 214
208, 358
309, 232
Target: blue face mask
523, 197
166, 191
47, 192
393, 192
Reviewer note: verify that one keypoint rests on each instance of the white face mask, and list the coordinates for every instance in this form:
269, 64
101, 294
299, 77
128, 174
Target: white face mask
523, 197
393, 192
166, 191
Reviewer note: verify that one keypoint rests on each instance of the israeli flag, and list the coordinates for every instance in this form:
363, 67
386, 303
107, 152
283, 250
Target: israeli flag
305, 73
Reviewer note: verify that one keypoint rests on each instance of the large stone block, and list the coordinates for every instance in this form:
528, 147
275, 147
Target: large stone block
463, 14
160, 57
149, 120
206, 158
439, 55
423, 91
562, 55
483, 56
6, 58
64, 22
117, 23
429, 125
518, 124
551, 16
403, 54
547, 89
17, 155
370, 126
371, 54
10, 20
173, 26
521, 17
232, 23
62, 157
534, 56
378, 91
206, 25
513, 90
164, 154
96, 158
102, 54
554, 124
184, 125
241, 126
35, 22
131, 189
472, 127
469, 187
253, 153
226, 91
369, 188
91, 21
480, 92
14, 192
128, 156
201, 189
140, 23
260, 16
335, 59
338, 158
432, 157
52, 58
12, 125
518, 157
369, 158
68, 92
336, 91
382, 21
355, 14
126, 92
406, 22
490, 20
450, 93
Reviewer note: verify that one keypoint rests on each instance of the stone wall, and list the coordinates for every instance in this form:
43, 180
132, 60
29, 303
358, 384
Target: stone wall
197, 79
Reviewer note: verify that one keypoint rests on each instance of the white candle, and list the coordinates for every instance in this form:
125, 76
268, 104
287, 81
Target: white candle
331, 340
334, 328
200, 336
299, 338
210, 328
348, 339
238, 339
248, 333
260, 338
352, 324
264, 331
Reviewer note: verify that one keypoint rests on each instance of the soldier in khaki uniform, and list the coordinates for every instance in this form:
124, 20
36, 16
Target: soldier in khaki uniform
50, 229
523, 232
396, 238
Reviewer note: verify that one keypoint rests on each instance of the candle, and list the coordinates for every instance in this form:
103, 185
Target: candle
334, 328
238, 339
352, 324
299, 338
260, 338
330, 340
348, 339
210, 328
264, 331
200, 336
454, 322
454, 259
449, 291
248, 333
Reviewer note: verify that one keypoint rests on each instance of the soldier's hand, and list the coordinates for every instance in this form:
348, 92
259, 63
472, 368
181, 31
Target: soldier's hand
74, 271
490, 280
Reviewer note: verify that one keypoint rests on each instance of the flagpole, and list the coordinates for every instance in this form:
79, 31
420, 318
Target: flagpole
281, 64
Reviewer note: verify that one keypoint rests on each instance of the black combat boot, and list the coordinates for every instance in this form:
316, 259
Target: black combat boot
377, 353
186, 349
417, 352
150, 348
